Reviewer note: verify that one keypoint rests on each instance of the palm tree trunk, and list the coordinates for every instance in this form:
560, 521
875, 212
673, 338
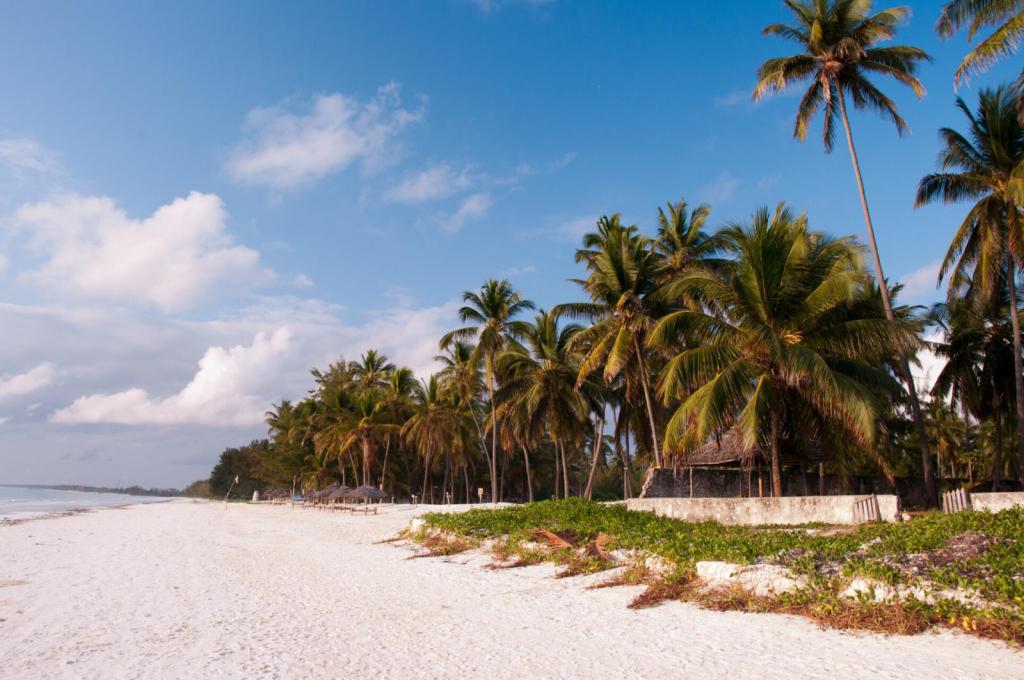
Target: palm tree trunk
529, 481
627, 469
426, 477
494, 437
776, 458
557, 472
647, 399
931, 495
384, 471
997, 459
1018, 370
565, 470
589, 493
367, 456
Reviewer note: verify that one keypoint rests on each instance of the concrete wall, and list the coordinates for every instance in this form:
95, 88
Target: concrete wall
786, 510
726, 483
997, 501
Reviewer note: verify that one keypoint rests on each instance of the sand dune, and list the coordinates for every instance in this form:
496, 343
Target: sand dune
191, 589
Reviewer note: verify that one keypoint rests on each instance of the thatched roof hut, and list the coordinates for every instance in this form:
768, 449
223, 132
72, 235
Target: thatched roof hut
727, 449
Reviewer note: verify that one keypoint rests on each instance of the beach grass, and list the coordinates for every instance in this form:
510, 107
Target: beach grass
978, 554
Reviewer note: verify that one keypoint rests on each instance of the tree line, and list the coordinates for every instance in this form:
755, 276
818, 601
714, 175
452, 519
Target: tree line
769, 329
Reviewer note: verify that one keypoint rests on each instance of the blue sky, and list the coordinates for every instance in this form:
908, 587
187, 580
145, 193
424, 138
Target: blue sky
199, 201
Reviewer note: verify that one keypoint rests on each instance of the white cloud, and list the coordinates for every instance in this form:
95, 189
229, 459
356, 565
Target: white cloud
928, 366
435, 182
721, 189
22, 156
3, 262
519, 271
30, 381
285, 150
473, 207
4, 420
227, 389
302, 281
735, 98
574, 229
173, 259
921, 284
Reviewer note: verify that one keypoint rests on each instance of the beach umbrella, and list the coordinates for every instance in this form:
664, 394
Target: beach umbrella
339, 493
366, 493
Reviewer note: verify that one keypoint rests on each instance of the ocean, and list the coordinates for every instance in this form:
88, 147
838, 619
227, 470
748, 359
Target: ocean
18, 502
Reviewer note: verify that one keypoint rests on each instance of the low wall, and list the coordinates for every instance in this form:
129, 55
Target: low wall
733, 483
785, 510
996, 501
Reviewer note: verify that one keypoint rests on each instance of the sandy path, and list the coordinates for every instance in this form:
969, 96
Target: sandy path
190, 589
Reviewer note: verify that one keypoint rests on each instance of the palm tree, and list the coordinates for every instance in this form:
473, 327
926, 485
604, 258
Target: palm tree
433, 426
794, 360
623, 275
837, 40
976, 376
491, 312
372, 370
682, 241
539, 384
980, 166
1007, 15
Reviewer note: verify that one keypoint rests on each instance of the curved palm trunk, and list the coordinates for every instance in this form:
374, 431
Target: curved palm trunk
1018, 370
647, 399
931, 495
997, 458
589, 493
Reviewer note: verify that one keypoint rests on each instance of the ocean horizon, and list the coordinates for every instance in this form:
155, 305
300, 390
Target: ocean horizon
22, 502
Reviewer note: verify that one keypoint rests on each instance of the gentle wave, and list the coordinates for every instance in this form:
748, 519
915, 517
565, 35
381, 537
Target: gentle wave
24, 502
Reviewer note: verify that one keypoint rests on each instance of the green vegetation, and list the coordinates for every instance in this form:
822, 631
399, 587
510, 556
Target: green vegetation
976, 552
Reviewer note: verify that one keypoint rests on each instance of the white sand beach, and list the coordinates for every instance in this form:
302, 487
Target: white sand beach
193, 589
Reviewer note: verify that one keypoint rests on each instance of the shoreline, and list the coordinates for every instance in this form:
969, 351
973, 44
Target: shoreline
191, 587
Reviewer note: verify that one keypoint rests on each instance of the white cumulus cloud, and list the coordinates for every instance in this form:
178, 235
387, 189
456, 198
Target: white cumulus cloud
435, 182
22, 156
921, 284
285, 150
472, 207
34, 379
173, 259
226, 390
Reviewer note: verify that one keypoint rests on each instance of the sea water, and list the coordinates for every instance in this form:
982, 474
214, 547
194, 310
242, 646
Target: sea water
19, 502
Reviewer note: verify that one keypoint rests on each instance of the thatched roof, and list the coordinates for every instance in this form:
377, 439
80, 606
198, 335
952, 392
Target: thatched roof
727, 448
366, 492
339, 493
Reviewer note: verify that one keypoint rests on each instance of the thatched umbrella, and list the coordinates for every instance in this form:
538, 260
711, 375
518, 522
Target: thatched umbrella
366, 493
338, 494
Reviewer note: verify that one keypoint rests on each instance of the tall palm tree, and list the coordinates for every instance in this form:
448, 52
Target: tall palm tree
980, 167
491, 313
793, 360
539, 383
838, 41
1008, 18
623, 275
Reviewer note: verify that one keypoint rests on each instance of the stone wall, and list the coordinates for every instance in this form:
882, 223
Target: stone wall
766, 511
732, 483
997, 501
